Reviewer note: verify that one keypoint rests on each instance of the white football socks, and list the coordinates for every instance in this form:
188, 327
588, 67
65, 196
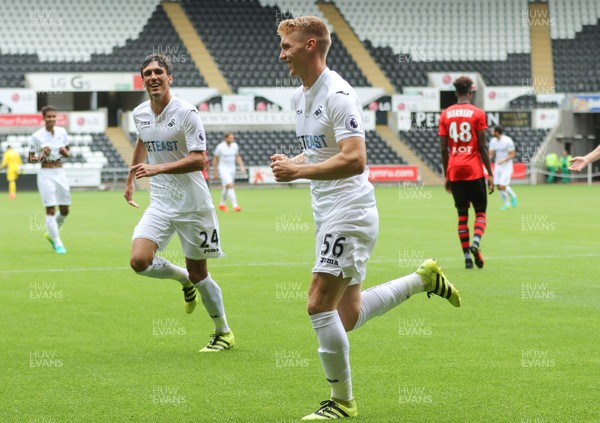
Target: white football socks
223, 195
60, 219
212, 299
504, 197
232, 197
163, 269
511, 192
53, 230
380, 299
334, 351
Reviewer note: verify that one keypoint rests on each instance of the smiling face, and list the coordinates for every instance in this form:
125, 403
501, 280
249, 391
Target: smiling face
50, 120
294, 53
156, 80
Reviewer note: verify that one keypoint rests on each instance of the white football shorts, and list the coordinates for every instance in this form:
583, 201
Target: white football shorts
345, 242
198, 231
227, 175
53, 187
502, 175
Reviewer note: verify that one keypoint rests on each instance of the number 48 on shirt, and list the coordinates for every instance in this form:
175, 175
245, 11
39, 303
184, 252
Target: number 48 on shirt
463, 134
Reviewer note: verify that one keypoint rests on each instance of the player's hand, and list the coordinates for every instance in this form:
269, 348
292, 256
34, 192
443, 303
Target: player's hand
490, 183
144, 170
448, 186
284, 170
578, 163
46, 151
64, 151
278, 157
128, 194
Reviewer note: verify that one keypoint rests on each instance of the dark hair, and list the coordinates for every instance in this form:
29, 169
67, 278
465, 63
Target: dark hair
463, 85
47, 109
162, 60
498, 129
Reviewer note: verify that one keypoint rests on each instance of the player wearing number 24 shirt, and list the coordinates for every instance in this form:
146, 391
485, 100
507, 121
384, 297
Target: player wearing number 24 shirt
171, 136
464, 153
330, 132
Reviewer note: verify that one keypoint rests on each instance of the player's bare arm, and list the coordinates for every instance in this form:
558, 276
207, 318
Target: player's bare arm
194, 162
445, 158
511, 155
350, 161
64, 151
240, 163
216, 167
297, 159
139, 156
578, 163
485, 158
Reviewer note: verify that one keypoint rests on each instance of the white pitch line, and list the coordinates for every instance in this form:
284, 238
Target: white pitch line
297, 263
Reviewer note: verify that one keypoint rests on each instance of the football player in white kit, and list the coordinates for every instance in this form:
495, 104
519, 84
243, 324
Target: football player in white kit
329, 130
172, 137
226, 154
502, 148
48, 146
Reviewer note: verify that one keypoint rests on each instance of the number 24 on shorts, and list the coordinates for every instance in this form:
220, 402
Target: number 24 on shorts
336, 249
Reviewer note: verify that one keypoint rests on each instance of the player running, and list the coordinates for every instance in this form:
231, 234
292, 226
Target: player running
48, 146
226, 154
171, 136
503, 148
329, 130
11, 160
464, 153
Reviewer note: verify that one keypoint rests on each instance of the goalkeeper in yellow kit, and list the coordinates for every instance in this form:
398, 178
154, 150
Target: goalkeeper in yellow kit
11, 160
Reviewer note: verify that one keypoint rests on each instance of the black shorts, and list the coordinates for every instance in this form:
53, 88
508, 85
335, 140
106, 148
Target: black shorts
470, 192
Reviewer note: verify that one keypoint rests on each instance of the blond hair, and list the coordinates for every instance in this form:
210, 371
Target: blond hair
307, 27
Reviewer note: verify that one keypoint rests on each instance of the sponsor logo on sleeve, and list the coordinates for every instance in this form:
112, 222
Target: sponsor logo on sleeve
352, 123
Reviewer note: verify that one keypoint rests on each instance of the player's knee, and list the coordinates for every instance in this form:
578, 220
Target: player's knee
64, 212
197, 275
139, 263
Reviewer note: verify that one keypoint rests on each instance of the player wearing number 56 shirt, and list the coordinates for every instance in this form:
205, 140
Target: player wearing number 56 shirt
464, 153
172, 138
329, 130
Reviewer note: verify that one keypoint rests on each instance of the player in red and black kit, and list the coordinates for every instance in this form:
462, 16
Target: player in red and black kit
464, 153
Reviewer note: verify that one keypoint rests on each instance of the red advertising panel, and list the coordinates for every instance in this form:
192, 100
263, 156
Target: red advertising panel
519, 170
30, 120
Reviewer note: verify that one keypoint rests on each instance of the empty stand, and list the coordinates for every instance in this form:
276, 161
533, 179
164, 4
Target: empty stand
101, 51
242, 38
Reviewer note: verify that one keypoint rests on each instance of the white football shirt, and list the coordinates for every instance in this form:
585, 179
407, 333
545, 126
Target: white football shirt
227, 154
169, 137
327, 113
43, 138
502, 147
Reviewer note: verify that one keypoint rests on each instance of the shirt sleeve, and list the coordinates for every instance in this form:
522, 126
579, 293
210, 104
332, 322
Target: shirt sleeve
511, 144
481, 121
195, 137
345, 115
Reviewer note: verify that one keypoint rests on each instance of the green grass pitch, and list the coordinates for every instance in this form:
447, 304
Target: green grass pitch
84, 339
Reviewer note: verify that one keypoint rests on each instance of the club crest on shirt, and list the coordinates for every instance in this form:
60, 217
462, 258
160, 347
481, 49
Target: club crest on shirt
352, 123
171, 123
318, 112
